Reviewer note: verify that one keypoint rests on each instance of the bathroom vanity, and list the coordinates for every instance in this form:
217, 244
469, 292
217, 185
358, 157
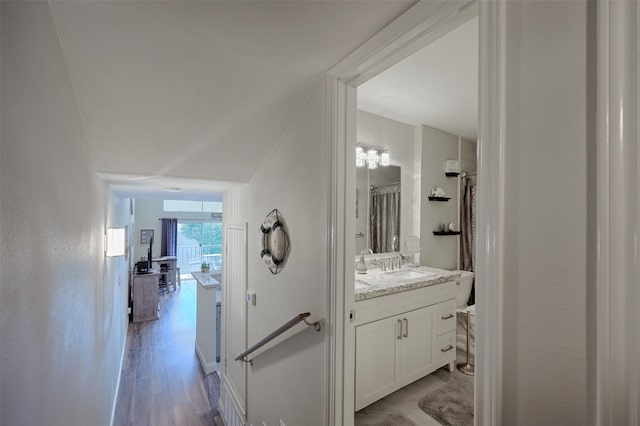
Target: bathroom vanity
405, 327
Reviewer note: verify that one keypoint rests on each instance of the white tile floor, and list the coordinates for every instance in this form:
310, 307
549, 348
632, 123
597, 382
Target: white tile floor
401, 407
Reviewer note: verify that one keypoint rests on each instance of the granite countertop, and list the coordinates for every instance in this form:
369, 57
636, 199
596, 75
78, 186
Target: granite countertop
376, 283
205, 279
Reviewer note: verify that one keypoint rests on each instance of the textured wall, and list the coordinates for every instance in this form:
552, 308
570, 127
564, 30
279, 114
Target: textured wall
62, 303
288, 379
438, 251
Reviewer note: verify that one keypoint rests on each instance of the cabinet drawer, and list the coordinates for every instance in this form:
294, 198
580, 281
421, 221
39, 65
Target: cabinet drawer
445, 348
445, 317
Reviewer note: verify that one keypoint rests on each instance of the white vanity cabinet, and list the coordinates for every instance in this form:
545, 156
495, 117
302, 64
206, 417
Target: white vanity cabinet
402, 337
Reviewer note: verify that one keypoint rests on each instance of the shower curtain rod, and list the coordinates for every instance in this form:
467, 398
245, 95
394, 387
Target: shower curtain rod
385, 184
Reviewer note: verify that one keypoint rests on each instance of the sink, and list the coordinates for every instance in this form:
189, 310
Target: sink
408, 274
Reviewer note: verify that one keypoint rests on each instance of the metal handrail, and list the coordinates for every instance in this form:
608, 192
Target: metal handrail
293, 321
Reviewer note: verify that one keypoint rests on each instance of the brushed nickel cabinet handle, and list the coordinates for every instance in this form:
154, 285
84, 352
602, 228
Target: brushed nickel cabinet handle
447, 349
406, 327
400, 329
446, 317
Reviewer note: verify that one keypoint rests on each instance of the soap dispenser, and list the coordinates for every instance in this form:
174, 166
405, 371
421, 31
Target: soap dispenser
361, 266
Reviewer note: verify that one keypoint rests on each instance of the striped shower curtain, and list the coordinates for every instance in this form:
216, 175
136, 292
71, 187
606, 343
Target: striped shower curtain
469, 224
384, 217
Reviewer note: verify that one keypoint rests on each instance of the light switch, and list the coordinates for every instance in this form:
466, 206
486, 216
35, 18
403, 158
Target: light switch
251, 297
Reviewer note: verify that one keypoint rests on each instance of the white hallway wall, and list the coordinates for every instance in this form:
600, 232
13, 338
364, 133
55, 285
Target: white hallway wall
287, 380
546, 258
62, 303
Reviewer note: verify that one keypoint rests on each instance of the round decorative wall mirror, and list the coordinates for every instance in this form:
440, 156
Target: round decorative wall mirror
275, 241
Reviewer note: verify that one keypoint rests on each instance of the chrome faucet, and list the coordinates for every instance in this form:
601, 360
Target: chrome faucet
392, 262
396, 262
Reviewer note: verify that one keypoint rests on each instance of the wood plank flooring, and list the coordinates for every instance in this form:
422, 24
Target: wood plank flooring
161, 381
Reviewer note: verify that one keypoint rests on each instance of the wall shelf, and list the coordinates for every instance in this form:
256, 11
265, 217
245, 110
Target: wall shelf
431, 198
452, 174
446, 232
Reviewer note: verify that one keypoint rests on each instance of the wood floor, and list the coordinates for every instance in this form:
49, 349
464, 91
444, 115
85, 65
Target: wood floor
162, 382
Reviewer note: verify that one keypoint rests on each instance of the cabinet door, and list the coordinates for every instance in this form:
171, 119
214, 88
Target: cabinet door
445, 316
415, 356
376, 360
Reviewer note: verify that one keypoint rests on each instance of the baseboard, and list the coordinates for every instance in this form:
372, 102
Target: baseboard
115, 397
207, 366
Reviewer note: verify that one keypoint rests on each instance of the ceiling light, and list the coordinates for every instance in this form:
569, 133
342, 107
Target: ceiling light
174, 189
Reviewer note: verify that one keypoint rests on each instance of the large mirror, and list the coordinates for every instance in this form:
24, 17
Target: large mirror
378, 209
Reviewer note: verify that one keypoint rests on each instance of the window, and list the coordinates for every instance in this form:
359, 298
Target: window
192, 206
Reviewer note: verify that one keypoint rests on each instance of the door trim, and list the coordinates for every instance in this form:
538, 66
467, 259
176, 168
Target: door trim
234, 405
617, 381
418, 26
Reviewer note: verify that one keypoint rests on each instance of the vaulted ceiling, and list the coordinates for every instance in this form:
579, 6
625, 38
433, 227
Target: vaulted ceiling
436, 86
201, 90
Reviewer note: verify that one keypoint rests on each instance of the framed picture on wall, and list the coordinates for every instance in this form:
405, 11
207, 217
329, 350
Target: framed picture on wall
146, 235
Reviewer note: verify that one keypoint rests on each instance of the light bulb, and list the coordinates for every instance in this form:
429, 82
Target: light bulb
372, 156
384, 159
360, 156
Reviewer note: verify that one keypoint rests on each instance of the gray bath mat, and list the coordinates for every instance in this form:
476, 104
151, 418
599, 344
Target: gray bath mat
395, 420
452, 404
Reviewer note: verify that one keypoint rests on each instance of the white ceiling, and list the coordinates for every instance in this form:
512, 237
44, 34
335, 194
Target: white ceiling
200, 90
166, 188
436, 86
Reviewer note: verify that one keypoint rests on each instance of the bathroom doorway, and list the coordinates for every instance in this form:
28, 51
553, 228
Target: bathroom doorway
355, 73
422, 114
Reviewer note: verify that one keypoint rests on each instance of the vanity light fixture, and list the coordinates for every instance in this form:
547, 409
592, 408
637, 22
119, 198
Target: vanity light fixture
115, 242
371, 157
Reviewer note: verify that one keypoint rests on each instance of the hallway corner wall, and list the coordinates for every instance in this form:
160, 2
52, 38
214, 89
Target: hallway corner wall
288, 378
63, 304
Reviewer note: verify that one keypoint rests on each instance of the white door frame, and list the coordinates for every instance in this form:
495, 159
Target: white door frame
420, 25
615, 383
233, 395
